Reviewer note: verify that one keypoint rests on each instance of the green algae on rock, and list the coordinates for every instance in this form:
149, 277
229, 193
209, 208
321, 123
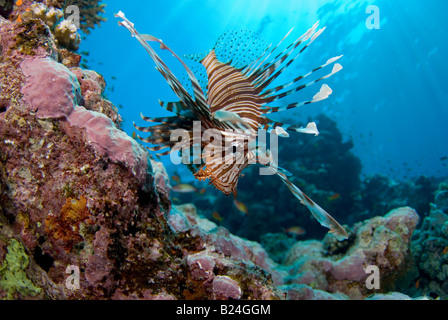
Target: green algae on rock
13, 279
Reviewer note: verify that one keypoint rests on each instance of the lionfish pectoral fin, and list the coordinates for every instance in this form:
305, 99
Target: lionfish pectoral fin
271, 164
232, 119
318, 213
279, 128
275, 169
223, 115
280, 131
310, 128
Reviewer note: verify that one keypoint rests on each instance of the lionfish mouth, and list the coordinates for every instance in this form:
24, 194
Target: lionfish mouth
236, 104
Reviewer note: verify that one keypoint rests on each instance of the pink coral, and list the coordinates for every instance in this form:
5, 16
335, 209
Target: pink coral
107, 140
381, 241
51, 89
201, 266
92, 89
225, 288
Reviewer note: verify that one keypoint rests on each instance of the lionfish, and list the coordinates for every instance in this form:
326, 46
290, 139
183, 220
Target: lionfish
236, 103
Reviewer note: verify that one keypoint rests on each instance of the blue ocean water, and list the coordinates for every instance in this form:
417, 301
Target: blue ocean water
390, 98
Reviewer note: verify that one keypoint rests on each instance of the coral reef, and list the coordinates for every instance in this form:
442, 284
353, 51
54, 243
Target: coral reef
380, 194
430, 248
61, 17
220, 251
66, 225
6, 7
341, 268
90, 12
51, 89
76, 191
64, 31
441, 197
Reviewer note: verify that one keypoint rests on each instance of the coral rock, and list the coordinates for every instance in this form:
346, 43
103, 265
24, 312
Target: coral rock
107, 140
51, 89
225, 288
381, 241
430, 249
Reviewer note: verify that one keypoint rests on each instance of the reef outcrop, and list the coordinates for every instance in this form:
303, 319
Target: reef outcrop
380, 244
85, 212
430, 248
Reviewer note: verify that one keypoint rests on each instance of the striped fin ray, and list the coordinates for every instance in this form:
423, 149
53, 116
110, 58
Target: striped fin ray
161, 133
318, 213
158, 134
161, 141
182, 112
323, 93
255, 65
158, 147
199, 106
176, 107
336, 68
167, 123
223, 171
159, 128
165, 120
268, 81
265, 75
197, 90
261, 68
280, 128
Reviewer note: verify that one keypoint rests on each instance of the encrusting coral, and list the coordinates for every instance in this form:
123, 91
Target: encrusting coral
430, 248
67, 225
58, 16
329, 266
90, 13
64, 31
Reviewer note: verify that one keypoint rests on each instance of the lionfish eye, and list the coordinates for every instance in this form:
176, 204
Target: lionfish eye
234, 149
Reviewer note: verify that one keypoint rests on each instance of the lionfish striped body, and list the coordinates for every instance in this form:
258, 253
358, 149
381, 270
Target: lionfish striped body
235, 106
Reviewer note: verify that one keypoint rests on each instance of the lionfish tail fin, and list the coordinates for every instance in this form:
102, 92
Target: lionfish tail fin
318, 213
